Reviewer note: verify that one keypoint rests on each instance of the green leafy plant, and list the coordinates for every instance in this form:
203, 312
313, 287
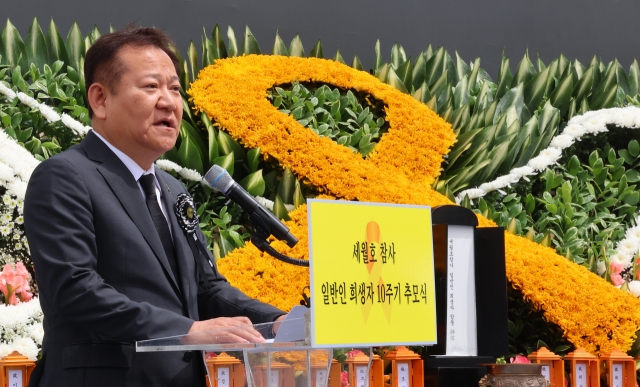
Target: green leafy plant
333, 113
580, 207
229, 236
57, 89
529, 330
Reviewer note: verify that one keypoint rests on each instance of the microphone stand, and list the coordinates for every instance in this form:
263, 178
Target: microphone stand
261, 223
259, 239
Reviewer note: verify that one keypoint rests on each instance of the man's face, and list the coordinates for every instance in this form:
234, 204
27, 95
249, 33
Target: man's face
142, 118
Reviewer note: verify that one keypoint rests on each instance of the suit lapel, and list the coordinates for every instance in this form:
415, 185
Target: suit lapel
126, 189
184, 255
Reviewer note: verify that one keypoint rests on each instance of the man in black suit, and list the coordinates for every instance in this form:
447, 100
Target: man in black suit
113, 263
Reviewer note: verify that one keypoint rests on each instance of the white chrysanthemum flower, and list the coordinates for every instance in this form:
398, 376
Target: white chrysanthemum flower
20, 219
540, 163
36, 332
521, 172
48, 113
6, 218
488, 187
626, 118
551, 153
26, 347
6, 198
504, 181
268, 204
473, 193
264, 202
25, 99
190, 174
5, 349
633, 233
5, 230
621, 258
601, 267
635, 112
167, 165
596, 124
35, 310
496, 184
18, 188
18, 246
6, 173
13, 203
545, 159
10, 94
74, 125
562, 141
634, 288
627, 246
574, 130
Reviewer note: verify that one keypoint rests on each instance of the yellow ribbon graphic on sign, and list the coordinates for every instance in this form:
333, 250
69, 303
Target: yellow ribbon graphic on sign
374, 268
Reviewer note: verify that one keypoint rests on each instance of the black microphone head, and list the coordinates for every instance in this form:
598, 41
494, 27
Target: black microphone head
219, 179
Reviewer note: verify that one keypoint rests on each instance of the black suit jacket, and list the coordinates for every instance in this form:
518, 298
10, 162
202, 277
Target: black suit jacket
104, 279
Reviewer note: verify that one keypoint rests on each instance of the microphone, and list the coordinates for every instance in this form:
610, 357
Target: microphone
261, 218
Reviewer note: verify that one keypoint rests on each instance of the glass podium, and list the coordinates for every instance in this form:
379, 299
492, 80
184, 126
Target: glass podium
285, 359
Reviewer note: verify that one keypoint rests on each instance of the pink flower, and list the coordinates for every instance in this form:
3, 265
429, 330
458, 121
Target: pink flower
14, 284
344, 379
616, 279
519, 359
7, 284
25, 295
354, 353
22, 270
615, 268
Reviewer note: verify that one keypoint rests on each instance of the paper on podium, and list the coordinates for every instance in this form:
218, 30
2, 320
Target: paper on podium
293, 328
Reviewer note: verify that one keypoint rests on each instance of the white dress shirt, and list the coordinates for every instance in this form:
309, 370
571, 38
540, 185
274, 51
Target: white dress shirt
137, 172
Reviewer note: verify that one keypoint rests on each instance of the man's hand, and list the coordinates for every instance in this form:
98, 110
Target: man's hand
224, 330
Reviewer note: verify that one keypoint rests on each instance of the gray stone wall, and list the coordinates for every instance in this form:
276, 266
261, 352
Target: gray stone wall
577, 28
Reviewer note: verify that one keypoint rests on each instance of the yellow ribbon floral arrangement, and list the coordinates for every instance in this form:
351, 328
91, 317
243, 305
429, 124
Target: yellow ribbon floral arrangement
593, 314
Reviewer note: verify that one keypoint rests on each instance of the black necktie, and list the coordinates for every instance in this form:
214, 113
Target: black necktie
148, 183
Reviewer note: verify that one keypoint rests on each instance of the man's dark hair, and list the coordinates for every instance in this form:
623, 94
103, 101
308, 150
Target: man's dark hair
102, 65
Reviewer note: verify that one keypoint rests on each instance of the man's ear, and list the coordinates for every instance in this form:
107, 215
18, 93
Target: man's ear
97, 96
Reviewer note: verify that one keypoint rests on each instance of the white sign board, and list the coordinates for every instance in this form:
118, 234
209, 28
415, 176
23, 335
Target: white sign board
546, 372
321, 378
15, 377
618, 376
403, 374
581, 375
461, 292
275, 378
361, 375
223, 377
